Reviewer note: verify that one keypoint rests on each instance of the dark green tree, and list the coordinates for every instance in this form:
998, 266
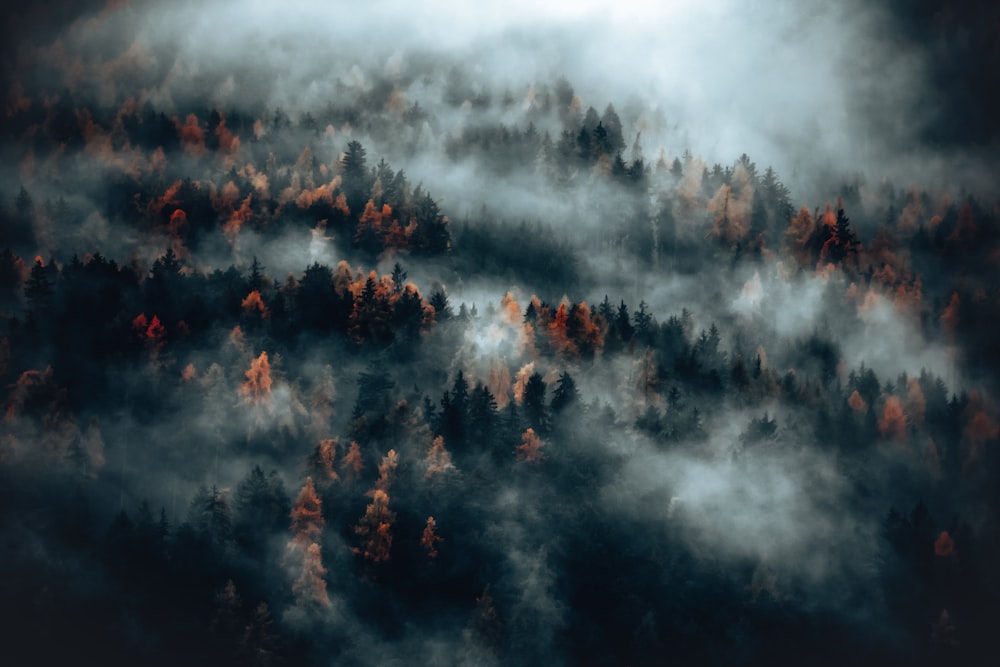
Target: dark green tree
255, 281
643, 324
439, 301
623, 325
453, 420
399, 277
38, 288
260, 509
565, 394
431, 235
211, 517
534, 403
612, 124
482, 418
355, 177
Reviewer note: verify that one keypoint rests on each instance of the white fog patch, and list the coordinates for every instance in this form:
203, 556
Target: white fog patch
782, 506
890, 342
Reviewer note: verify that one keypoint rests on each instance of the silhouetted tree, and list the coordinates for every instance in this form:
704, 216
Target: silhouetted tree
355, 180
565, 394
534, 403
38, 289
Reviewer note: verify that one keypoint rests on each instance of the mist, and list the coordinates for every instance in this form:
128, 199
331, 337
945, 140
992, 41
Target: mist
579, 333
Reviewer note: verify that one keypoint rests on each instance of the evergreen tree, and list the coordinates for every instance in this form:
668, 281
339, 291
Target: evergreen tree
431, 235
260, 509
622, 325
439, 301
38, 288
565, 394
846, 242
612, 124
482, 418
643, 324
399, 277
599, 142
534, 403
455, 413
255, 281
355, 179
211, 517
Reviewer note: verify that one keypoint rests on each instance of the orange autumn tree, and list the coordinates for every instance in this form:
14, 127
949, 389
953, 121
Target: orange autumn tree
510, 311
438, 459
797, 235
558, 338
253, 304
944, 545
303, 551
530, 449
383, 311
352, 463
236, 218
857, 403
374, 528
586, 329
191, 134
152, 333
257, 388
386, 471
321, 461
374, 225
573, 331
893, 421
307, 514
430, 538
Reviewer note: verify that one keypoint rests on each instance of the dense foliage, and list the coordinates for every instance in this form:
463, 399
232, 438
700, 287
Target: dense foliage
628, 409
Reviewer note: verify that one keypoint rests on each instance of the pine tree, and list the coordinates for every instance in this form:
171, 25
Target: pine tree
482, 417
255, 280
565, 394
643, 323
399, 277
355, 177
846, 241
211, 517
431, 235
38, 288
261, 507
622, 324
439, 302
455, 412
534, 403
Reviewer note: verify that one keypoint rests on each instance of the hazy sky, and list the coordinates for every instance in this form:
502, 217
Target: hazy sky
897, 89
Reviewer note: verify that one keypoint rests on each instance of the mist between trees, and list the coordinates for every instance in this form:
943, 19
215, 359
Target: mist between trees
435, 364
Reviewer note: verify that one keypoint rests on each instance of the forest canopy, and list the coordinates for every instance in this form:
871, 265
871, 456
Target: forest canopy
319, 354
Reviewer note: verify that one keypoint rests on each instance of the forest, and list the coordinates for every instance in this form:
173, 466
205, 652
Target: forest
437, 362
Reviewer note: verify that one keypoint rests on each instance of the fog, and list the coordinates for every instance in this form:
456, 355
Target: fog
308, 278
817, 91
